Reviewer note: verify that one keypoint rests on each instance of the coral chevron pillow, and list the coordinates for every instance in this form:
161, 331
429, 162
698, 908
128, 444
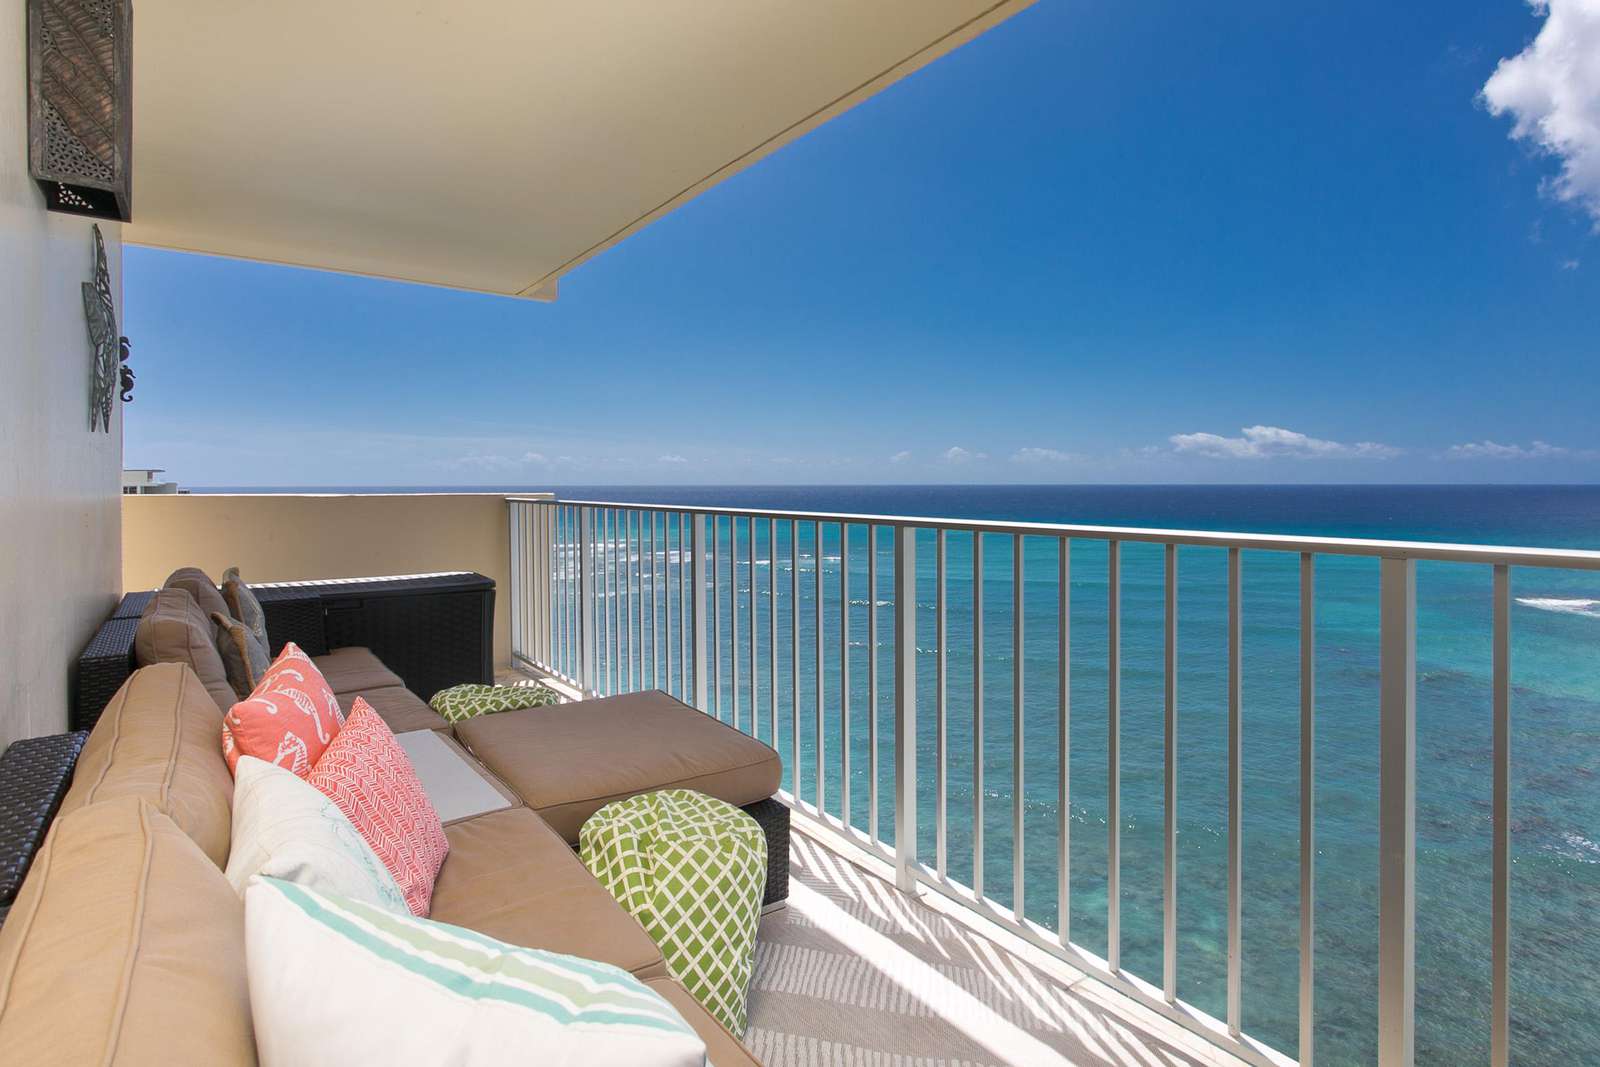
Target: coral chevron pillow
366, 773
288, 719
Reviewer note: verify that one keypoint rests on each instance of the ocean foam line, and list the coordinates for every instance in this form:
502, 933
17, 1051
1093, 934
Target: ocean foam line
1588, 608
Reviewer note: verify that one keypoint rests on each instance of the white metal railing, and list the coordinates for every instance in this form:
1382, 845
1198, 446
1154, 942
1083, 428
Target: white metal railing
613, 597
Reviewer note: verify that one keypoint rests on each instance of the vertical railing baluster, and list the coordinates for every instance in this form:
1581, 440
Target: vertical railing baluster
613, 601
1114, 755
558, 591
1397, 771
872, 681
905, 707
714, 564
553, 534
1308, 787
637, 566
564, 562
545, 560
794, 657
941, 726
626, 607
532, 633
519, 594
733, 616
529, 523
697, 581
1018, 778
1064, 741
820, 748
1500, 1004
772, 631
585, 602
685, 602
755, 704
537, 517
568, 541
655, 606
636, 570
1235, 792
1169, 882
619, 575
666, 603
844, 673
642, 577
541, 559
977, 715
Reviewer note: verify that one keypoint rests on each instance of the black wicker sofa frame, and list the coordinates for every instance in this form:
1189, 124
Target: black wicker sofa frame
433, 630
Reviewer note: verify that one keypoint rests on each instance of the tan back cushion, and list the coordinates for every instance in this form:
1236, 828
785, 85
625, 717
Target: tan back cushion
173, 629
198, 584
160, 740
125, 947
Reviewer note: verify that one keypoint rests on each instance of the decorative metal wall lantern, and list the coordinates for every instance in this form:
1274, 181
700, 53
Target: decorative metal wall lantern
80, 96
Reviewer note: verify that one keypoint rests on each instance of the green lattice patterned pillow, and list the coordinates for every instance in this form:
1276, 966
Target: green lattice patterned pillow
462, 702
692, 870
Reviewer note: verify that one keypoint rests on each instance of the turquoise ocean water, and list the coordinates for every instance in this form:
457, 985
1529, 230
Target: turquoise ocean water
1556, 736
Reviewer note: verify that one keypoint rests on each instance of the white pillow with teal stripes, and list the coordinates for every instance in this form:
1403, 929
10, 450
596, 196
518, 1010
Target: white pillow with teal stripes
341, 983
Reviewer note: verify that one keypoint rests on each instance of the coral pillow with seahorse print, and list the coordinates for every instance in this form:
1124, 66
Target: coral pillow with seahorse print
289, 719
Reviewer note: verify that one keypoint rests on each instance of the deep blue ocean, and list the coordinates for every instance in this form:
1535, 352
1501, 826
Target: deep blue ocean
1556, 736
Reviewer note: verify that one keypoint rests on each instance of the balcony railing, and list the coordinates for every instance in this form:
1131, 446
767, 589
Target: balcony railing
616, 597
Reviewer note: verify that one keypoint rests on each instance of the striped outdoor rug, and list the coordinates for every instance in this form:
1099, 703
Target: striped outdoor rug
854, 974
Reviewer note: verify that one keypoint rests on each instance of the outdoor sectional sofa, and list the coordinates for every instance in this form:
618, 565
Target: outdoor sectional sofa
125, 927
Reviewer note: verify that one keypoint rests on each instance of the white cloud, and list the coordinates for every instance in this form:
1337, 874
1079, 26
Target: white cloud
1487, 449
957, 454
483, 461
1043, 455
1551, 89
494, 461
1269, 442
1570, 264
671, 457
900, 456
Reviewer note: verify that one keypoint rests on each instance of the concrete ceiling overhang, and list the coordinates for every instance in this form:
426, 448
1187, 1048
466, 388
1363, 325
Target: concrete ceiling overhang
490, 146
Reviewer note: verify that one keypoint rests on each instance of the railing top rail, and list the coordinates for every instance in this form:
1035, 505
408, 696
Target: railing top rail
1577, 559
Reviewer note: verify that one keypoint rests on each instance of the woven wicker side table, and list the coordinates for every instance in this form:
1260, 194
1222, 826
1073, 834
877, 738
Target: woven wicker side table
691, 868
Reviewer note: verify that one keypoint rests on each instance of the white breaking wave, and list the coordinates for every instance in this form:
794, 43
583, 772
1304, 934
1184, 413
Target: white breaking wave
1582, 849
1587, 608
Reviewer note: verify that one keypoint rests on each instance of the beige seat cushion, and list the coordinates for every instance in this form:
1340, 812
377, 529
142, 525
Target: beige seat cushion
568, 761
397, 706
160, 740
509, 876
173, 629
722, 1048
355, 670
125, 947
198, 584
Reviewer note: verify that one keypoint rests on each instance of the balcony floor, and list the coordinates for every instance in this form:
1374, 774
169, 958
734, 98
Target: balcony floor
854, 973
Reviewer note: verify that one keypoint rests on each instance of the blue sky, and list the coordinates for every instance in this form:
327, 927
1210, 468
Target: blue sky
1162, 242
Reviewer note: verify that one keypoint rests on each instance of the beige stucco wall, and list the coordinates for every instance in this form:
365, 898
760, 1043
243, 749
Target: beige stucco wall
282, 537
59, 484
